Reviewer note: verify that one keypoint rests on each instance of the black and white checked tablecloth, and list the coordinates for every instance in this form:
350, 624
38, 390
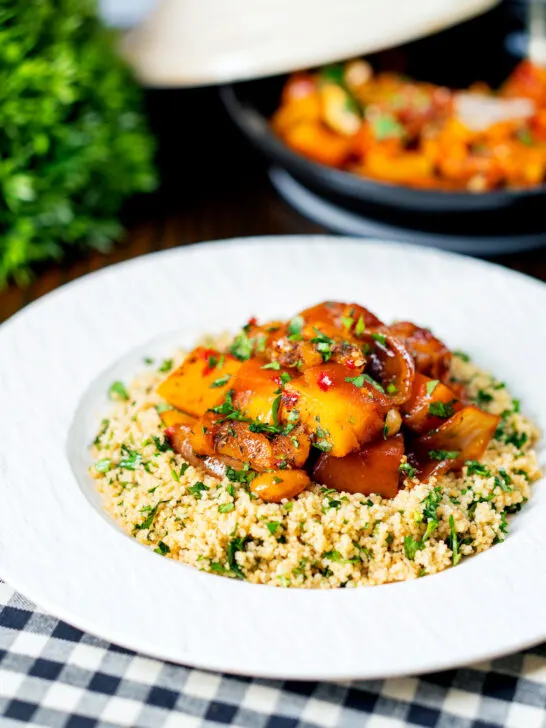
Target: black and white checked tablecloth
54, 675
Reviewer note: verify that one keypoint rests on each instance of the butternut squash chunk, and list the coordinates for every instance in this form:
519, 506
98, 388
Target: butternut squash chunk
200, 382
340, 415
430, 404
255, 390
175, 417
373, 469
277, 485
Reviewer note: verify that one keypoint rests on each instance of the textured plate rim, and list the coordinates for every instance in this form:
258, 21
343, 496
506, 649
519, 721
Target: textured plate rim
512, 643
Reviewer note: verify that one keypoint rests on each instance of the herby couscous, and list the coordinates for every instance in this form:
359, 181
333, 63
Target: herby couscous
327, 451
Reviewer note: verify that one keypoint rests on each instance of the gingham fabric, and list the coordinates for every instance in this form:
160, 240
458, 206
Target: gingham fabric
54, 675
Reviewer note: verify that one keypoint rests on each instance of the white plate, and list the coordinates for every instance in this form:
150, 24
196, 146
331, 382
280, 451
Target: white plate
56, 358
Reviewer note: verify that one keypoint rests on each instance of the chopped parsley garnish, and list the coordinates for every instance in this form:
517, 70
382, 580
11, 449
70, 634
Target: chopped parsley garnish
431, 386
385, 126
272, 365
197, 489
183, 468
273, 526
517, 439
443, 454
236, 544
228, 409
332, 555
131, 458
104, 425
285, 378
226, 508
454, 542
275, 409
325, 345
148, 360
162, 445
163, 407
148, 521
245, 475
516, 405
503, 481
118, 391
504, 523
442, 409
360, 326
431, 503
220, 381
103, 466
476, 468
295, 328
323, 445
392, 388
166, 365
347, 321
461, 355
361, 378
408, 469
380, 338
483, 397
162, 548
241, 348
411, 547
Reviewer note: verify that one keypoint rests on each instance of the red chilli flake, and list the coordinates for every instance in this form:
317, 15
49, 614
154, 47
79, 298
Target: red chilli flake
350, 364
206, 354
324, 382
252, 321
290, 398
277, 380
169, 431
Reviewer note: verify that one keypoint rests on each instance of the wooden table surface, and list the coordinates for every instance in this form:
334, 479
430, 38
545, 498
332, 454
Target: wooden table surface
221, 192
247, 210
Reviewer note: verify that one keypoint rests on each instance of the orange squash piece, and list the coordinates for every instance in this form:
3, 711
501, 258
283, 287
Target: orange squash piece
373, 469
430, 404
341, 415
200, 382
175, 417
277, 485
255, 390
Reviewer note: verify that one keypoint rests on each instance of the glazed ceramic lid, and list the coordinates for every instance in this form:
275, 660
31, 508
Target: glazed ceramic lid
198, 42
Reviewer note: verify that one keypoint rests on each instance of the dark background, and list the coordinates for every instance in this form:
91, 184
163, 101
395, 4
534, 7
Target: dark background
215, 186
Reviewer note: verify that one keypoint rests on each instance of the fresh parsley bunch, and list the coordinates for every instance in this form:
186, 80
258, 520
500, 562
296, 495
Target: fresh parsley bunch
73, 141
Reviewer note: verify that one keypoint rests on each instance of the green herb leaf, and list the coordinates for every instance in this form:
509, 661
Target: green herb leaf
431, 386
476, 468
273, 526
220, 381
360, 326
442, 409
162, 548
197, 489
347, 321
245, 475
454, 542
295, 328
443, 454
380, 338
385, 126
148, 521
411, 547
166, 365
392, 388
461, 355
162, 445
118, 391
131, 459
241, 348
163, 407
235, 545
183, 469
272, 365
103, 466
408, 469
275, 410
226, 508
